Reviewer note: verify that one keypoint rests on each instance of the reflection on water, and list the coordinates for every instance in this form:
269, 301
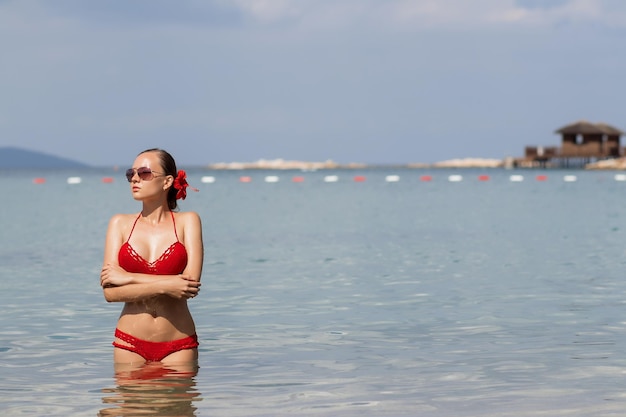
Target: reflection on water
152, 389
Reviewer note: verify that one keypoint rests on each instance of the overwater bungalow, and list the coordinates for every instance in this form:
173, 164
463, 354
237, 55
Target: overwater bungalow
582, 142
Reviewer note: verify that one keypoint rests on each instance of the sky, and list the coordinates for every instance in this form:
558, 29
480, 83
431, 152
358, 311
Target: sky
369, 81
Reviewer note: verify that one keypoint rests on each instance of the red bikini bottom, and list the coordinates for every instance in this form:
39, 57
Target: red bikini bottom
154, 351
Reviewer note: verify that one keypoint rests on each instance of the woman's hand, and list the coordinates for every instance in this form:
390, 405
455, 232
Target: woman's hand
114, 276
181, 287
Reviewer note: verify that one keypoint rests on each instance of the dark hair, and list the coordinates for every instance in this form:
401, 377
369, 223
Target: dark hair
169, 168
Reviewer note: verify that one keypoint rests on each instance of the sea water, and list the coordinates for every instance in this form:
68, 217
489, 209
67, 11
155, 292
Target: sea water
459, 296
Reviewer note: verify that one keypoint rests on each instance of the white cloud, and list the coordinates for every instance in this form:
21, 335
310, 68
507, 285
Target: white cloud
270, 10
430, 13
324, 14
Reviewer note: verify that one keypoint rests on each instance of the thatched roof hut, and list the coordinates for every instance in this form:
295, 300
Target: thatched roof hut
584, 139
581, 127
581, 142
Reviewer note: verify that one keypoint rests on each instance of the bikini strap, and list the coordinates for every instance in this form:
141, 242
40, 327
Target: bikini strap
131, 230
174, 221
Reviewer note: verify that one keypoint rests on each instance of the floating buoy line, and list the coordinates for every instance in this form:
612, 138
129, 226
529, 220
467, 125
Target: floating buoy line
391, 178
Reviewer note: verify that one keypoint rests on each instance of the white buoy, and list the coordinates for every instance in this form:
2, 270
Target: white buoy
272, 178
620, 177
570, 178
74, 180
455, 178
392, 178
207, 179
516, 178
331, 178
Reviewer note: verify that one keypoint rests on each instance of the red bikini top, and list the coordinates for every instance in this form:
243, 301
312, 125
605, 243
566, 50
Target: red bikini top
172, 262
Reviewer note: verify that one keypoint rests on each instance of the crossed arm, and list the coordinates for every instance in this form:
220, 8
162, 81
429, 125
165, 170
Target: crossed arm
121, 286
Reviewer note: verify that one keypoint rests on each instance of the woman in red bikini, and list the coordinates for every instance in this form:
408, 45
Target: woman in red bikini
152, 263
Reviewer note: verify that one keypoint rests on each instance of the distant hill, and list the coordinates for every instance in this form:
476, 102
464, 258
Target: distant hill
21, 158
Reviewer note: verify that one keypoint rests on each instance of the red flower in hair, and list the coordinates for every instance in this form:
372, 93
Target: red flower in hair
180, 183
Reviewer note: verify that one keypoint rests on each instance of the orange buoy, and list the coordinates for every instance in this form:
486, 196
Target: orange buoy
39, 180
542, 177
483, 178
426, 178
359, 178
297, 179
245, 179
107, 180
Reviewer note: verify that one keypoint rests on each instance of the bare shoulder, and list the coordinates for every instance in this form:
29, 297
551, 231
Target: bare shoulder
121, 221
188, 218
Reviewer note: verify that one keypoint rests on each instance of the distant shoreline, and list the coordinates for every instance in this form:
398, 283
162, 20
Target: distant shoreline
280, 164
18, 159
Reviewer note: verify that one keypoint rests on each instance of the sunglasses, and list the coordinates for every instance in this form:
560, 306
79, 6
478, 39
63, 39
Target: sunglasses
144, 173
